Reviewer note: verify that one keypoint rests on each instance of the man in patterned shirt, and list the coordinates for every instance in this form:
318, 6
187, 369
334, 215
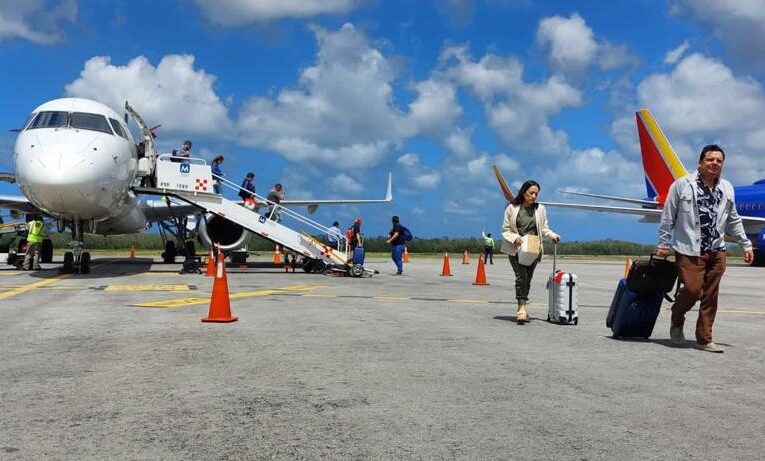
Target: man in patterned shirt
700, 209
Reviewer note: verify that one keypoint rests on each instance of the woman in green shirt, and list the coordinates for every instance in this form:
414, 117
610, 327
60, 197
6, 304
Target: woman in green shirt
524, 216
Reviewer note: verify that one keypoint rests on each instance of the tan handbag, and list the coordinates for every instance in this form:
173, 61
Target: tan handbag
530, 249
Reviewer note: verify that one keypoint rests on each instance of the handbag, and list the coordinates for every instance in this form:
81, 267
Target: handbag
656, 275
528, 253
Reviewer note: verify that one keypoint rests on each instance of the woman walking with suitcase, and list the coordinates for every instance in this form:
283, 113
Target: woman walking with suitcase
525, 221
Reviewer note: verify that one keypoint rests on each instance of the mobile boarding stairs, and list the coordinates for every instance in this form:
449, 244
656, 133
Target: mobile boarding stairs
191, 180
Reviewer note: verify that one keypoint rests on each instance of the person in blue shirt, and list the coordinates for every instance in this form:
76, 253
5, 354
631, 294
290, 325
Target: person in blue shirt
333, 236
218, 171
183, 153
396, 241
247, 192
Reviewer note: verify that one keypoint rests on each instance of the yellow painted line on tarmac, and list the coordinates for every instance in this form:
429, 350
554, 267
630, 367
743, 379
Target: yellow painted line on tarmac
741, 311
60, 287
391, 298
468, 301
147, 288
32, 286
302, 287
9, 273
175, 302
244, 294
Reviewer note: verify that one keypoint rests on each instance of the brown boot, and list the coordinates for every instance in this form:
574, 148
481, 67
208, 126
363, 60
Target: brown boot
521, 316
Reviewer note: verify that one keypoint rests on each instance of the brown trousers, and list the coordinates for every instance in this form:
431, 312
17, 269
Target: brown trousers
700, 277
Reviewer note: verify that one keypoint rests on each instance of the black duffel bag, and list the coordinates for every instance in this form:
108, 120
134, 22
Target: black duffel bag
657, 275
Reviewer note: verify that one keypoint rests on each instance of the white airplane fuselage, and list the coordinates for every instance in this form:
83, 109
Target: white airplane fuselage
76, 161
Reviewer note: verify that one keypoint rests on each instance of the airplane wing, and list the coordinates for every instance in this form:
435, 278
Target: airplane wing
645, 212
648, 214
651, 203
17, 203
313, 204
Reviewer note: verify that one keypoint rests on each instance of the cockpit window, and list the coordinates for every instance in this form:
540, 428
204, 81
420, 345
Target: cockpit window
29, 119
117, 128
49, 119
95, 122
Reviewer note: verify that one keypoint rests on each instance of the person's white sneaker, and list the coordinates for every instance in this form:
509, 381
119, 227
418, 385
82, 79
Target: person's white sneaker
709, 347
677, 336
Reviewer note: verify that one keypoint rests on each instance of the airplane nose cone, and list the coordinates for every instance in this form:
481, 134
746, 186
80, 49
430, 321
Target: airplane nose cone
65, 179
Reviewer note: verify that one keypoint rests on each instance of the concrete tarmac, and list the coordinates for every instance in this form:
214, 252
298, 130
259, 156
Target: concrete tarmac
321, 367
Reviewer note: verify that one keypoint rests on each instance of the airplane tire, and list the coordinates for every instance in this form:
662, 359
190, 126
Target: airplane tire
46, 251
168, 257
85, 263
191, 249
68, 263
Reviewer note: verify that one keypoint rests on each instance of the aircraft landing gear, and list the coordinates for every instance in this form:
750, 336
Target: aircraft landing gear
76, 260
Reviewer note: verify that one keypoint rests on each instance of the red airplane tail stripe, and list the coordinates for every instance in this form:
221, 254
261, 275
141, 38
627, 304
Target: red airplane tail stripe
656, 170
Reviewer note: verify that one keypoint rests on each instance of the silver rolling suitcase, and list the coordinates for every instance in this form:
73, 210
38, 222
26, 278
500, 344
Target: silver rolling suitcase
563, 301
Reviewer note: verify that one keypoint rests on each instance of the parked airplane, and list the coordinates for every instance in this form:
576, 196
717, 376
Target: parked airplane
77, 162
662, 167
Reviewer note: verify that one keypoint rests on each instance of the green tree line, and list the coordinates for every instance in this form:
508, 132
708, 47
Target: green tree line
436, 245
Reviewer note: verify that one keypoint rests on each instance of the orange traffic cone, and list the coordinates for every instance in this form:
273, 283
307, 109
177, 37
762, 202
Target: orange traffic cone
446, 271
480, 275
211, 264
220, 305
277, 255
406, 255
627, 265
132, 251
466, 258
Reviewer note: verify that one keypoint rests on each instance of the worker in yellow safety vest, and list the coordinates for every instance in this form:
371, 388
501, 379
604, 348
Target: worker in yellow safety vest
34, 240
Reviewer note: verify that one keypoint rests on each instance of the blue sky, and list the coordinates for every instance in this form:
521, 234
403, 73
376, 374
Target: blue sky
327, 96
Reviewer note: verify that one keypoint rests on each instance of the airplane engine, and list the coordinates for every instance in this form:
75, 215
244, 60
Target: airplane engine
214, 229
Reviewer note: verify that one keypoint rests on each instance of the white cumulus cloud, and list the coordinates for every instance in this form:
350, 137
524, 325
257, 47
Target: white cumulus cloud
343, 110
573, 48
674, 55
242, 12
35, 20
740, 24
173, 93
518, 111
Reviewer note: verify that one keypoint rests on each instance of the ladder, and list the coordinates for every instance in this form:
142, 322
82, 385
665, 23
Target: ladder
191, 180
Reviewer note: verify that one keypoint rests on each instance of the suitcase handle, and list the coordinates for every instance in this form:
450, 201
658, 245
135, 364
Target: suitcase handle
555, 258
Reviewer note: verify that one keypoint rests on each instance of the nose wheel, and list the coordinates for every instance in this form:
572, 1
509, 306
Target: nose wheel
74, 264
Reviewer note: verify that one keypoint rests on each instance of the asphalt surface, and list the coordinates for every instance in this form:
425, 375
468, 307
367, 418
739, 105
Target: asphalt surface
320, 367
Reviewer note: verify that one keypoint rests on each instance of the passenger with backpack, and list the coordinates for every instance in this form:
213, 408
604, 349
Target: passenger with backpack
398, 236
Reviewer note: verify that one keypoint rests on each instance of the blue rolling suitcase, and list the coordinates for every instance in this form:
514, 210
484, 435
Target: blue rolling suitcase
633, 316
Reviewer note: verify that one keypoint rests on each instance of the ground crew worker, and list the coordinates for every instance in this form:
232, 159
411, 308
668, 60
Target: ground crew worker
34, 239
488, 248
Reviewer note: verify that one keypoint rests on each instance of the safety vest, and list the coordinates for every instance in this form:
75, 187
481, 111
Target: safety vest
36, 234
